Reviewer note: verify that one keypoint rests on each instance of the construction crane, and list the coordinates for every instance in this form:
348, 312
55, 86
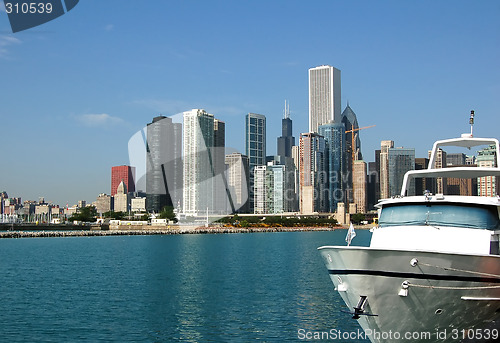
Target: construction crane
352, 141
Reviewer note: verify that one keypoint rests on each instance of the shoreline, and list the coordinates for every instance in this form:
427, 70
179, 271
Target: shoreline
154, 231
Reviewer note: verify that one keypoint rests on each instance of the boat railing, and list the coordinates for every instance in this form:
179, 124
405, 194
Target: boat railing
455, 172
466, 141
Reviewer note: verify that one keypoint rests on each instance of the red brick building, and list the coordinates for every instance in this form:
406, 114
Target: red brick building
125, 173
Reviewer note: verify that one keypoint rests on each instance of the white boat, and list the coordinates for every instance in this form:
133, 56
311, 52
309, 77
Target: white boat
432, 269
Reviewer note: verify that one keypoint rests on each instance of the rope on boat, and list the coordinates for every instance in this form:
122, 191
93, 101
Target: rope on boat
458, 270
452, 287
414, 262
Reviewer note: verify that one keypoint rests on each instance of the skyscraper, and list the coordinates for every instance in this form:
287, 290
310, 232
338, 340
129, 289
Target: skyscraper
455, 159
286, 141
335, 143
384, 168
259, 189
255, 139
198, 170
312, 173
296, 156
121, 198
459, 186
218, 162
280, 179
373, 179
423, 184
125, 174
104, 203
237, 180
350, 121
324, 96
440, 162
163, 164
487, 186
373, 185
400, 160
470, 159
175, 171
274, 187
255, 146
219, 135
3, 195
353, 147
359, 180
296, 164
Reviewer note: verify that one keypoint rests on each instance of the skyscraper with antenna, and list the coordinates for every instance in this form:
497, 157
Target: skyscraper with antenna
287, 140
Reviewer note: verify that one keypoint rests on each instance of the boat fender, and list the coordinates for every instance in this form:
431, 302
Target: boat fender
403, 292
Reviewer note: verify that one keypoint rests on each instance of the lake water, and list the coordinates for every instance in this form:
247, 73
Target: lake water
193, 288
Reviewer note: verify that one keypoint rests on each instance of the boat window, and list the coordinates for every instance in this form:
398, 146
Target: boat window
459, 215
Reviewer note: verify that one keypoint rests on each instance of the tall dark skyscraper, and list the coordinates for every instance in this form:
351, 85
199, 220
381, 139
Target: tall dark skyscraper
218, 164
163, 164
287, 140
255, 147
255, 139
374, 181
334, 136
351, 123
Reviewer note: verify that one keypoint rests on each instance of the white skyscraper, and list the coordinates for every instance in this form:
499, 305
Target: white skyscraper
259, 189
324, 96
198, 137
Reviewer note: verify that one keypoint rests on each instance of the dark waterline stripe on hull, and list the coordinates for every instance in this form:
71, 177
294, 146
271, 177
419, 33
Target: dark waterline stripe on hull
413, 275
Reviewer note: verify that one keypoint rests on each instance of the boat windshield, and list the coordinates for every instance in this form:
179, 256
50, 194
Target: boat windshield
457, 215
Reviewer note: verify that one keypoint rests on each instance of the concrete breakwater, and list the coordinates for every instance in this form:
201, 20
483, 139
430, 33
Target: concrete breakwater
152, 231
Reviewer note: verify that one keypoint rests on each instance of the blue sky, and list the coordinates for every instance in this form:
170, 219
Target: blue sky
74, 90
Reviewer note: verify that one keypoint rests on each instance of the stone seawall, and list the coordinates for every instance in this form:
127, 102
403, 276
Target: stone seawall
42, 226
131, 231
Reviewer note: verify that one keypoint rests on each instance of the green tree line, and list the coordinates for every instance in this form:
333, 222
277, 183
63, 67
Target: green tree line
256, 221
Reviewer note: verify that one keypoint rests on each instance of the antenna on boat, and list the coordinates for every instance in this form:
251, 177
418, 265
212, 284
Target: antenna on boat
471, 121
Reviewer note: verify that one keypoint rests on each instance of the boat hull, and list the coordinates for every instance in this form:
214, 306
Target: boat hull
448, 298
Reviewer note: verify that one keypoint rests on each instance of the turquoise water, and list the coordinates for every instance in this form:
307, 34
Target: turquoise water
193, 288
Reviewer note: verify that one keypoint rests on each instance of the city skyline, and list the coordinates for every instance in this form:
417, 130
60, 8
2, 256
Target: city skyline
75, 92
